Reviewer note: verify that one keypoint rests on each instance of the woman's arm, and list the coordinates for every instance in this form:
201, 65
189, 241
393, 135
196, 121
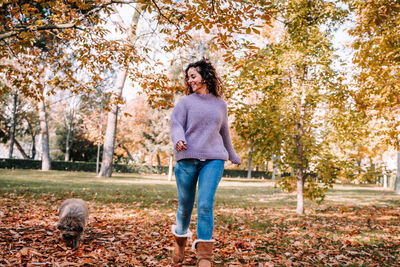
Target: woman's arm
233, 157
178, 122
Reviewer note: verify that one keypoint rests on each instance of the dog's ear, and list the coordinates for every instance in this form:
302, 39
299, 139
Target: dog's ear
60, 227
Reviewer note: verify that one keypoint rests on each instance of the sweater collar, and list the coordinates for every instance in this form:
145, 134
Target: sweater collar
210, 95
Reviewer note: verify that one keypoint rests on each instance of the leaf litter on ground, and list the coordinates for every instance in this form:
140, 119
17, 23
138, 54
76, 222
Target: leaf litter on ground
127, 235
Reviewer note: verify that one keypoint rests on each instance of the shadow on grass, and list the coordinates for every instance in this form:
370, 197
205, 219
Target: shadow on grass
362, 196
361, 192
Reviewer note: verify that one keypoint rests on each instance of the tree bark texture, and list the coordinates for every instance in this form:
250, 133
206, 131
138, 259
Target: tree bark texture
99, 144
158, 159
300, 155
98, 157
13, 125
44, 132
398, 174
70, 135
109, 139
274, 167
33, 149
33, 137
170, 168
66, 158
250, 159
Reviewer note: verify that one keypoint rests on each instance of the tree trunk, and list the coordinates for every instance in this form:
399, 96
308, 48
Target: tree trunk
13, 124
99, 143
17, 144
127, 151
33, 149
70, 134
98, 157
385, 181
275, 167
398, 174
170, 168
66, 158
111, 131
109, 140
300, 155
158, 160
300, 194
250, 159
44, 132
33, 137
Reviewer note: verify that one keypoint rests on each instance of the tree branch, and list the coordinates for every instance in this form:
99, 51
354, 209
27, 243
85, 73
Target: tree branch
162, 15
22, 28
17, 144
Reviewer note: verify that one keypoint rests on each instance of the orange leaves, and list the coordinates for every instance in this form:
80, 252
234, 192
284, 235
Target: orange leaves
93, 51
354, 232
124, 235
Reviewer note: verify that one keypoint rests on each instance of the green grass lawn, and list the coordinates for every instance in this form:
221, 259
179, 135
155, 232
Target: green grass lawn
131, 214
156, 190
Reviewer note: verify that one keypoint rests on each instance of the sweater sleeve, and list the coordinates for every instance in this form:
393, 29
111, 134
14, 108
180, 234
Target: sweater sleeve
233, 157
178, 122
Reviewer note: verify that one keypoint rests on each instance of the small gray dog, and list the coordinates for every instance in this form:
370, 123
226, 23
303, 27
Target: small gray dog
72, 220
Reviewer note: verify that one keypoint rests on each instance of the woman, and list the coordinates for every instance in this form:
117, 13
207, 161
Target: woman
200, 134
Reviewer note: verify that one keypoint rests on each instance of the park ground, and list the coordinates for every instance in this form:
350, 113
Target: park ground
256, 223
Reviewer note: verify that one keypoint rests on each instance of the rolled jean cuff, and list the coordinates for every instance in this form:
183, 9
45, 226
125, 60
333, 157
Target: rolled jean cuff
200, 240
188, 233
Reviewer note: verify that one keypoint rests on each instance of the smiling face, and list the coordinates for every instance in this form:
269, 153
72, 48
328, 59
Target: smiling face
196, 81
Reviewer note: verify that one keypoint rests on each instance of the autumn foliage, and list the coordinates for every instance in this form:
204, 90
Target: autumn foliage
125, 235
130, 220
289, 99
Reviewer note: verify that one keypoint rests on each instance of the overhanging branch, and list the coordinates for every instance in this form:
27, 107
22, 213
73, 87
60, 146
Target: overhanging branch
162, 14
22, 28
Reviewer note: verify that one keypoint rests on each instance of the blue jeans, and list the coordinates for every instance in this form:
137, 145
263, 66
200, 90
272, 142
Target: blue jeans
208, 173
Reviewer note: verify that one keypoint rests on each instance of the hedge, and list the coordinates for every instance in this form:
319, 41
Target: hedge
122, 168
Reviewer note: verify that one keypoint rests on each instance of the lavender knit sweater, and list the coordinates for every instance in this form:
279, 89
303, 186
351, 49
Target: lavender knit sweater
202, 122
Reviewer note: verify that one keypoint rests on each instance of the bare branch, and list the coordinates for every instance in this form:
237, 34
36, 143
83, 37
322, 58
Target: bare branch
8, 35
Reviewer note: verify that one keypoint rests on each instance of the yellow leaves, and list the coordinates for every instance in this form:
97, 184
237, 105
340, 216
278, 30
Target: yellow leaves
39, 22
255, 31
25, 6
94, 54
127, 114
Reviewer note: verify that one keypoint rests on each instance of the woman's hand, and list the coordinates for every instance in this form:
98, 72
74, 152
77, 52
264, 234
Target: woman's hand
181, 145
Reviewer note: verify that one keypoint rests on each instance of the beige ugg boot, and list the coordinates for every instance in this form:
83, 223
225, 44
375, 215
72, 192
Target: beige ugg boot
179, 246
204, 250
